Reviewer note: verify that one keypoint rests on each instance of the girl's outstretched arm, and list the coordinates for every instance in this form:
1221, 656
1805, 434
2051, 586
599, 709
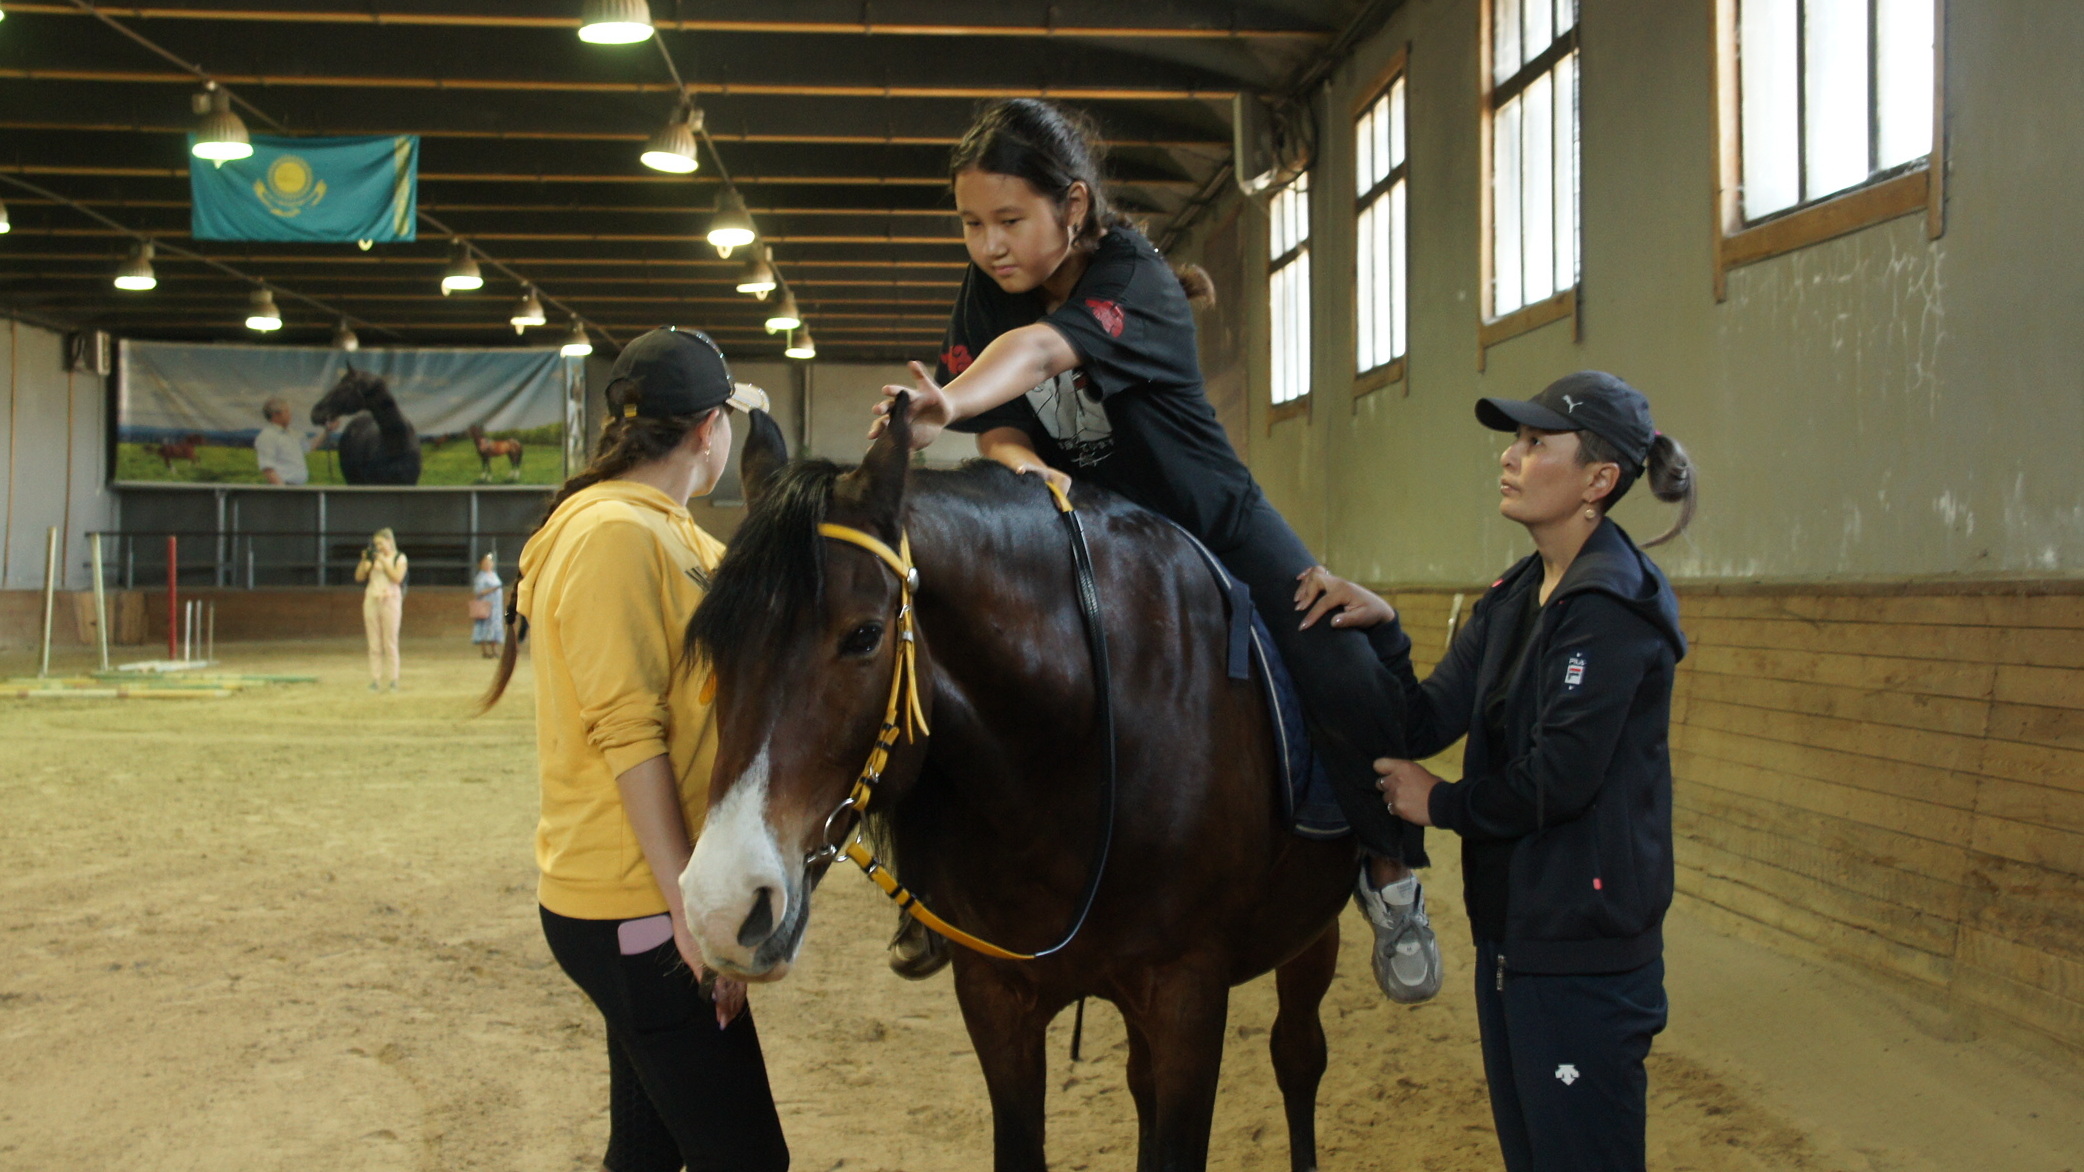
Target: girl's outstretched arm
1013, 363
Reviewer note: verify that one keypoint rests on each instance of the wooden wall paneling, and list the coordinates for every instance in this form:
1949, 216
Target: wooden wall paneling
1924, 677
1874, 706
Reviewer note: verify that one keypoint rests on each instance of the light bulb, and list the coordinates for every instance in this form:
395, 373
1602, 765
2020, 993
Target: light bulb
261, 313
576, 344
136, 273
800, 345
784, 316
220, 137
732, 226
614, 22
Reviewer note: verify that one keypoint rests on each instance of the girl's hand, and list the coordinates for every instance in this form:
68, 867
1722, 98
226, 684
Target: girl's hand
1025, 462
1407, 789
930, 410
726, 994
1321, 592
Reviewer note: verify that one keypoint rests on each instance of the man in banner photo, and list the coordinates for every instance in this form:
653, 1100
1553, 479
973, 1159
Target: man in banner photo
310, 190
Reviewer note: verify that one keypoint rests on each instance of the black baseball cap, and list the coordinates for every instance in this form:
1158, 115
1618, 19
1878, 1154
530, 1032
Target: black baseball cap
678, 373
1590, 400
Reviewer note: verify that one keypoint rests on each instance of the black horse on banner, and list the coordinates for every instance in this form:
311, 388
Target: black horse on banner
379, 444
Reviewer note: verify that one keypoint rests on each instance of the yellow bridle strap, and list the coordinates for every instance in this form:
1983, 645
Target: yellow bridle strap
904, 682
882, 877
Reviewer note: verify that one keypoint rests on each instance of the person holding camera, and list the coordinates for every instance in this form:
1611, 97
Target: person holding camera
383, 569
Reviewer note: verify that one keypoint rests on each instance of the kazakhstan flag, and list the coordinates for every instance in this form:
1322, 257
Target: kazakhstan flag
309, 190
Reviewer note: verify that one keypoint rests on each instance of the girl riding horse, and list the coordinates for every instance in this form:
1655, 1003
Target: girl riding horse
1072, 346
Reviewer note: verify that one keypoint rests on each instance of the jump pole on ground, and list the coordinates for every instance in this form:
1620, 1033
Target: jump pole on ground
50, 596
101, 606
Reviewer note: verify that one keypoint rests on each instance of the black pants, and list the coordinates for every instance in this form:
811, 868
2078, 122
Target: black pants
680, 1091
1353, 708
1564, 1057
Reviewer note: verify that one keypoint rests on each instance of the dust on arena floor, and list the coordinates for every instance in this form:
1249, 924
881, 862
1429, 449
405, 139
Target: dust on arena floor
296, 929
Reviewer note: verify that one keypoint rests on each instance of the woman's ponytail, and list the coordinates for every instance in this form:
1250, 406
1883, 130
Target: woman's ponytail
1670, 474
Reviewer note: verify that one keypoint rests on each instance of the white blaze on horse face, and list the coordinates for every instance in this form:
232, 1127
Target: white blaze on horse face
735, 858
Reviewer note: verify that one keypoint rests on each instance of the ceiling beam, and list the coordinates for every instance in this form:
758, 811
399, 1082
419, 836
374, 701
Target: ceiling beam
1114, 143
1069, 93
555, 177
826, 27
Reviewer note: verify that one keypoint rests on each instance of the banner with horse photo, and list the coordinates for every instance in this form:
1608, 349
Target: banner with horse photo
305, 415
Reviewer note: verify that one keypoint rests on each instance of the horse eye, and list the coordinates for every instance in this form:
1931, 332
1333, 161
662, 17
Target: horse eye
862, 639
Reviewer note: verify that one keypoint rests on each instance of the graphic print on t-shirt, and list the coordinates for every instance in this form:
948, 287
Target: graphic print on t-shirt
1071, 411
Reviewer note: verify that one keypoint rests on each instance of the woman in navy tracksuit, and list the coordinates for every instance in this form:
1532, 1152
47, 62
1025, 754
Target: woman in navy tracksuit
1562, 681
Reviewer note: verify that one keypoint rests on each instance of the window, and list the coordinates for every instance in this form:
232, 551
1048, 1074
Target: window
1288, 288
1824, 103
1381, 195
1533, 182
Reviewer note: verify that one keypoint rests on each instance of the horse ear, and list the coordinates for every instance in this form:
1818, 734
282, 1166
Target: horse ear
765, 454
879, 483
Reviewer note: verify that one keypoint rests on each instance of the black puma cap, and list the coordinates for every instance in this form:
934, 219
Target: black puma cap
679, 373
1590, 400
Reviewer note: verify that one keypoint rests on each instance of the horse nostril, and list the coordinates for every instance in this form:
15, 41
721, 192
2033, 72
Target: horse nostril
759, 923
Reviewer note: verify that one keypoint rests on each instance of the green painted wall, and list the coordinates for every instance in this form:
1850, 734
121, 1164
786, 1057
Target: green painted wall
1877, 406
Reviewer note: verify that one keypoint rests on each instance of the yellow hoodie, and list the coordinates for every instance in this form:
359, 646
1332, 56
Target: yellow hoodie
608, 585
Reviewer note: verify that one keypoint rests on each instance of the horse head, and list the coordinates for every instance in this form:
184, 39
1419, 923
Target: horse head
348, 396
804, 635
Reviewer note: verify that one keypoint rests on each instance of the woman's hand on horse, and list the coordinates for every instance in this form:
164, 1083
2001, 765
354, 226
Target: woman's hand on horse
929, 411
726, 994
1407, 789
1320, 592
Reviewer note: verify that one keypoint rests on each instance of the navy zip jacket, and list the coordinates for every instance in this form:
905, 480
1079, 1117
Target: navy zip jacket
1576, 803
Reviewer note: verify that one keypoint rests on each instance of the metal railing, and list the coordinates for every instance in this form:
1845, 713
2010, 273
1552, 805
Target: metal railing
255, 558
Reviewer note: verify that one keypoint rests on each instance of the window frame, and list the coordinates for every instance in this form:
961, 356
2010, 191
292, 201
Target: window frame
1493, 328
1396, 69
1909, 188
1299, 252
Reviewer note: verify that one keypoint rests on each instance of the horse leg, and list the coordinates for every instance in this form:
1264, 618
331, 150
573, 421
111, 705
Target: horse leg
1298, 1041
1143, 1090
1009, 1027
1182, 1020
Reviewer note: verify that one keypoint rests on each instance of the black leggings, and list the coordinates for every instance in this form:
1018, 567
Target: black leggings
1354, 710
680, 1091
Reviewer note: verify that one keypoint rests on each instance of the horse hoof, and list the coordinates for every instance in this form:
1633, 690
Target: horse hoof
915, 952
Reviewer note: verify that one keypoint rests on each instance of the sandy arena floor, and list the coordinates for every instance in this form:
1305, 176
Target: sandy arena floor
295, 930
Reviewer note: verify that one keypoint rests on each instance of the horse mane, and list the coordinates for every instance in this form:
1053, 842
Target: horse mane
773, 571
773, 568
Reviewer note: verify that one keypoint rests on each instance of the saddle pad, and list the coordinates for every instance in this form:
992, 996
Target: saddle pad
1306, 796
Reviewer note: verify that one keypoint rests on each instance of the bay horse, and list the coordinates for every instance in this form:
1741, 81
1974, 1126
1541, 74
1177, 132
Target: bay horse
188, 447
994, 818
489, 449
379, 445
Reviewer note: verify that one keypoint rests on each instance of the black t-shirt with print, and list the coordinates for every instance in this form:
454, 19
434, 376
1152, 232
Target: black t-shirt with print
1133, 416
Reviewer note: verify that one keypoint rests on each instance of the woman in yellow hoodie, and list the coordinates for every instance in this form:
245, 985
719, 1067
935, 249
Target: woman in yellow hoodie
625, 743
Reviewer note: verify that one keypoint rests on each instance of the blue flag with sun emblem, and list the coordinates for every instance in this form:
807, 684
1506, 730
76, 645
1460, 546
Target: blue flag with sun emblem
309, 190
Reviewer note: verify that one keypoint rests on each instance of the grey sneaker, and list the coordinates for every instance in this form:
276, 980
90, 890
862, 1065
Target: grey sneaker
917, 952
1406, 956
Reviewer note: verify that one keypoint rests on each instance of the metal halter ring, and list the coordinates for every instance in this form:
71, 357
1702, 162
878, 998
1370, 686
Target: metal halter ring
833, 841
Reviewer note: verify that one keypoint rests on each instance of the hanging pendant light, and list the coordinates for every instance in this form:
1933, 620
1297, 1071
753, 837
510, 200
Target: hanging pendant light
344, 338
800, 345
757, 275
462, 275
136, 274
672, 149
261, 313
732, 226
784, 316
220, 137
5, 227
614, 22
576, 344
528, 311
